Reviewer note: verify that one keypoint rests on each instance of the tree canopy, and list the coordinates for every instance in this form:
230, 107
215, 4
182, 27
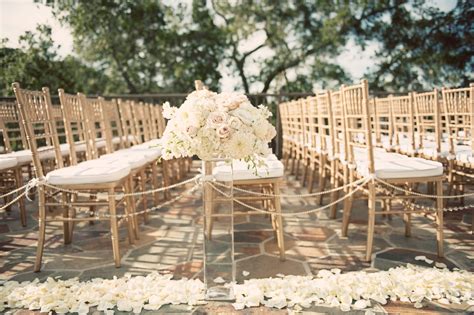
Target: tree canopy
162, 46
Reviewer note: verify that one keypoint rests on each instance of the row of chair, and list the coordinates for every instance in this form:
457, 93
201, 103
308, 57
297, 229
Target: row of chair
88, 152
341, 135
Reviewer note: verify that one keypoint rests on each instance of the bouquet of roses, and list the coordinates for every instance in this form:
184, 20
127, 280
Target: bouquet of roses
212, 125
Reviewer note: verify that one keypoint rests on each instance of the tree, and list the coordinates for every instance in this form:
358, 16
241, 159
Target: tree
152, 47
36, 64
427, 48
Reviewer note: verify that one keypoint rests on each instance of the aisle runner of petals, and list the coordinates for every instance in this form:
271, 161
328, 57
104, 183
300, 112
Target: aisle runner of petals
354, 290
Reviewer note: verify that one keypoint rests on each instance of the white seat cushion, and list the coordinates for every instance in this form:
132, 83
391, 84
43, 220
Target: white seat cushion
23, 156
151, 154
392, 165
6, 163
134, 160
88, 173
241, 171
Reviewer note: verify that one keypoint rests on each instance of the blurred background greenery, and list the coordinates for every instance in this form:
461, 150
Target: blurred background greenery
150, 46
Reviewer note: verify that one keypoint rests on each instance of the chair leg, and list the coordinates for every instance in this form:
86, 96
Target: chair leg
21, 202
371, 222
297, 170
66, 226
114, 228
154, 180
439, 219
311, 177
322, 179
334, 184
279, 222
166, 177
128, 210
41, 228
346, 215
131, 204
144, 196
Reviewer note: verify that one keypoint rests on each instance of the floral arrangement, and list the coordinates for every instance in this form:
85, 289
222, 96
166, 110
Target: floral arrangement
212, 125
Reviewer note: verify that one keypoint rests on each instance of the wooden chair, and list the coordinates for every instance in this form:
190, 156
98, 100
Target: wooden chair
11, 166
87, 177
365, 160
339, 153
458, 111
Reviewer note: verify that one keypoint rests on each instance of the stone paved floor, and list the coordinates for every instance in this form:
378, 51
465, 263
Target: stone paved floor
172, 242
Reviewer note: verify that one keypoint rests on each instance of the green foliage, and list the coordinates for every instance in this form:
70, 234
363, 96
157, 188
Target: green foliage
36, 64
427, 48
151, 46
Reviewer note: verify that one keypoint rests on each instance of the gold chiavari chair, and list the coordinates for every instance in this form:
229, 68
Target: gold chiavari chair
36, 117
339, 169
458, 111
325, 136
84, 126
365, 160
11, 166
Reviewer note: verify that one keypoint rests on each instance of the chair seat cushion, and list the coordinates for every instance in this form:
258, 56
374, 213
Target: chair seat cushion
6, 162
393, 165
134, 160
22, 156
241, 171
88, 173
464, 155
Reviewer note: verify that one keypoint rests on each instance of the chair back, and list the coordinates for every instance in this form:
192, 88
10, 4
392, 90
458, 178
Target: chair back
310, 122
95, 116
35, 110
75, 125
13, 135
403, 120
113, 124
127, 122
458, 111
326, 123
141, 121
428, 119
340, 145
382, 120
356, 111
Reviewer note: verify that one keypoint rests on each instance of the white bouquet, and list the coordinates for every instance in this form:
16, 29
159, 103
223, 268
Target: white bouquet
212, 125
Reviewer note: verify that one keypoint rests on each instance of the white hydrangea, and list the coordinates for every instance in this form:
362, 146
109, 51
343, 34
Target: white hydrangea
212, 125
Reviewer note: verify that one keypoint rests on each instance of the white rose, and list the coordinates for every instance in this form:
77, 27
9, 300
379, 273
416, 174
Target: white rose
244, 115
223, 131
215, 119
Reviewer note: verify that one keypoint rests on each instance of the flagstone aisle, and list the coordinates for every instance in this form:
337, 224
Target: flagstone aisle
172, 242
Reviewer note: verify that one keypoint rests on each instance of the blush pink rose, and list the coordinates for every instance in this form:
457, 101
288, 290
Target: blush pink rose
223, 131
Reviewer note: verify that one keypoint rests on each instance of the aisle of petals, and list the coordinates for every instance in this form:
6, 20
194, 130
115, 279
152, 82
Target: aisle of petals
354, 290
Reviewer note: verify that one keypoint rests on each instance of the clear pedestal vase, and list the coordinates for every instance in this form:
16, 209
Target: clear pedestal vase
219, 265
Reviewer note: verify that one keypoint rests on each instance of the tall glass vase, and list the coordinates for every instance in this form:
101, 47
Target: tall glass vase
219, 265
